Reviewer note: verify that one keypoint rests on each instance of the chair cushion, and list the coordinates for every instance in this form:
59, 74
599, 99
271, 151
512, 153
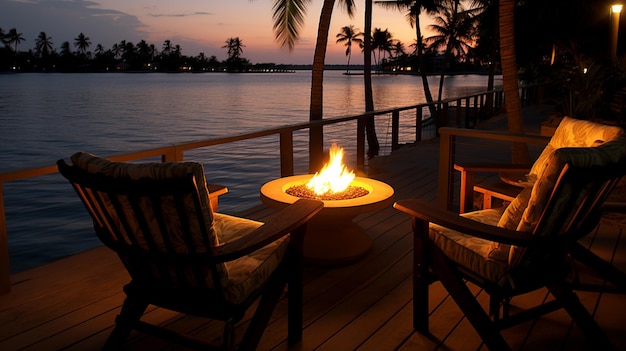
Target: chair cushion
248, 273
510, 220
474, 253
610, 154
573, 133
570, 133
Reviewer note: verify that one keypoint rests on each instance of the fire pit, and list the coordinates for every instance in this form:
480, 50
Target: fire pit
332, 237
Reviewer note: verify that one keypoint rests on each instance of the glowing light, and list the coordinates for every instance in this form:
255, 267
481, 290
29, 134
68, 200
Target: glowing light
334, 176
617, 8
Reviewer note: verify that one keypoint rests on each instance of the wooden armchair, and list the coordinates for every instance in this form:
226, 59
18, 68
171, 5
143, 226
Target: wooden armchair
521, 250
514, 177
183, 256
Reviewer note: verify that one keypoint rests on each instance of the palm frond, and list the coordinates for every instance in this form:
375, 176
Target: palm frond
288, 16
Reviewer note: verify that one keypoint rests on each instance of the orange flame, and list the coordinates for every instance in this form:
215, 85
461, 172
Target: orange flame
334, 177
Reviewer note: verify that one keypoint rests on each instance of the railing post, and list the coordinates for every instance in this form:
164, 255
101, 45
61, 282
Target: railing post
5, 273
286, 153
173, 154
468, 115
418, 123
395, 129
482, 105
458, 113
360, 143
476, 110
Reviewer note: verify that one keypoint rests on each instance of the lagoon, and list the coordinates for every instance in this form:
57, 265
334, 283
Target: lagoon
44, 117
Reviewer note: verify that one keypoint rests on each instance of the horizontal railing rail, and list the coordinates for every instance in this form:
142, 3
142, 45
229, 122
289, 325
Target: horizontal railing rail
460, 112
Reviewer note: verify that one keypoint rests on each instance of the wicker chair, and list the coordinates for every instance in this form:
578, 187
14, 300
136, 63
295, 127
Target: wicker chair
183, 256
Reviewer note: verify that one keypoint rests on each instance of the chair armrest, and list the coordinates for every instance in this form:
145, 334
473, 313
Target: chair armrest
491, 167
429, 213
275, 227
215, 190
467, 181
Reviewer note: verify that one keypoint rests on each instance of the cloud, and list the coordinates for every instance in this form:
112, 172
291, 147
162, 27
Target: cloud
63, 20
182, 14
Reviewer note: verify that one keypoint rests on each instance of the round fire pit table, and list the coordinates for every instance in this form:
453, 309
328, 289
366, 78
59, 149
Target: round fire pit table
332, 237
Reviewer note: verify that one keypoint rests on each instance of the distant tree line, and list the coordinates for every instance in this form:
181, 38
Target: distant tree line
123, 56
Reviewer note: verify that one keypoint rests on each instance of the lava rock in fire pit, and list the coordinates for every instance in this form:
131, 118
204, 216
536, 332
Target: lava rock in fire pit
351, 192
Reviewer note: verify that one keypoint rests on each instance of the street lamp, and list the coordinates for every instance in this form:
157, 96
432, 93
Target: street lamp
615, 13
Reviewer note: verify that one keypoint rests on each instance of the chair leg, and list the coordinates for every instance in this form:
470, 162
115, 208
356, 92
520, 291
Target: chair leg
125, 322
264, 310
228, 339
295, 300
580, 315
467, 302
421, 281
600, 266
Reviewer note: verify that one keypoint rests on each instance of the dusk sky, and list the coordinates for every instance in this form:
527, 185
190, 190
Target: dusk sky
196, 25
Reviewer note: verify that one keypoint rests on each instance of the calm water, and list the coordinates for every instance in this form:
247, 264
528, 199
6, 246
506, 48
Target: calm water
44, 117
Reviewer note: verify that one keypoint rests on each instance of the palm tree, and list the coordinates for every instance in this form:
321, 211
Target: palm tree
66, 50
415, 8
488, 41
167, 48
235, 47
349, 35
43, 45
118, 49
381, 42
82, 42
455, 31
13, 37
99, 50
398, 49
288, 16
510, 85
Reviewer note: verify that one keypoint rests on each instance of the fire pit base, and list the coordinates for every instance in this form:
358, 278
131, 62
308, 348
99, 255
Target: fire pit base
334, 241
332, 238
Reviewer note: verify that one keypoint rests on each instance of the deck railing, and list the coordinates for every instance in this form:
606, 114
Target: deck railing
457, 112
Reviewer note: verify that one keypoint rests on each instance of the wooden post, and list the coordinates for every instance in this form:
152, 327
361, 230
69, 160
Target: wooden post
418, 124
360, 143
5, 273
468, 115
316, 148
174, 154
286, 153
458, 113
395, 129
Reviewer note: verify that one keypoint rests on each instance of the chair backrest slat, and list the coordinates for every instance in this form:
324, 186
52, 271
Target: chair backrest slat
157, 226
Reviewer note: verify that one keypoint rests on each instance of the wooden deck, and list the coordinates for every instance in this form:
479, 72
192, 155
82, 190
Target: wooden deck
71, 304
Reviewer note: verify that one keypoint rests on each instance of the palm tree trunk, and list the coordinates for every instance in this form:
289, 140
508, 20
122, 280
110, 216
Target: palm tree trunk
421, 67
510, 85
316, 134
370, 128
443, 74
492, 69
